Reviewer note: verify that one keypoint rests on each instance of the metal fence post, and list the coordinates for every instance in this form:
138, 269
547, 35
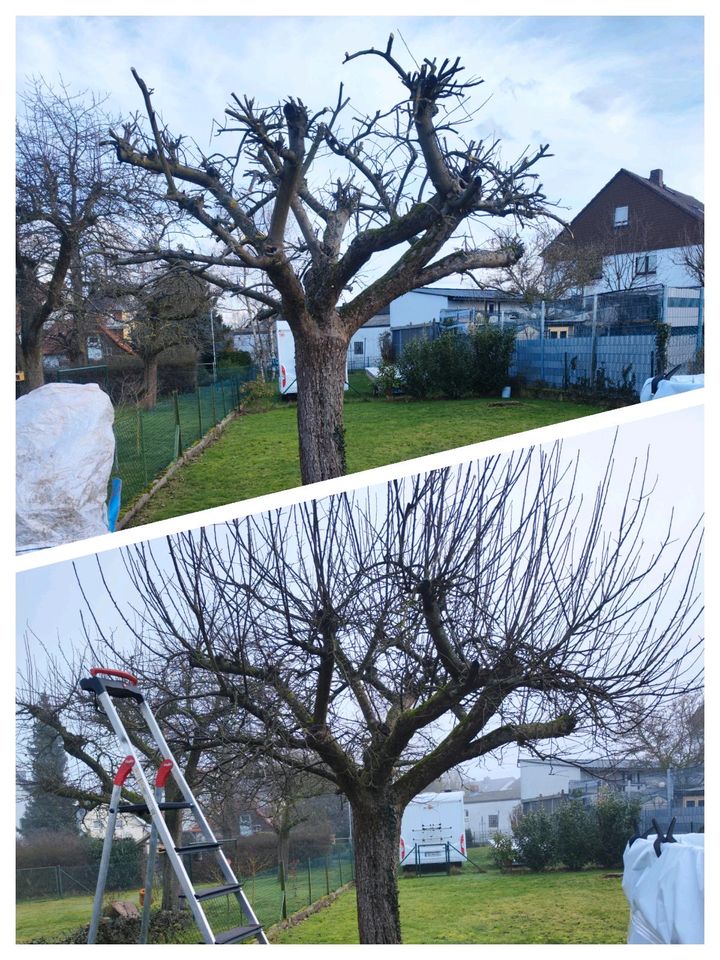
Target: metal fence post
214, 408
542, 340
199, 406
222, 394
178, 431
327, 875
283, 903
310, 899
699, 340
593, 341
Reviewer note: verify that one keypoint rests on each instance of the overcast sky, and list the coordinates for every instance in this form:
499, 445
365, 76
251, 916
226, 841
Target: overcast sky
49, 600
604, 92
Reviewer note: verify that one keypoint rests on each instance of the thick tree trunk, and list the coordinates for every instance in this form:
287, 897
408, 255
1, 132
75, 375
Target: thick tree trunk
150, 383
283, 852
376, 839
320, 366
33, 362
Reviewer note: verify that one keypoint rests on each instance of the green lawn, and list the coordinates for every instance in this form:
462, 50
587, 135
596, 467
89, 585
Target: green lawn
258, 453
587, 907
55, 919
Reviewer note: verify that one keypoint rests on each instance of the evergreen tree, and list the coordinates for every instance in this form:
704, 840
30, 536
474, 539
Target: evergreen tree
47, 811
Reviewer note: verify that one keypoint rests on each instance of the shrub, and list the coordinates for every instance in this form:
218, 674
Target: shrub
535, 839
165, 927
491, 351
388, 379
576, 829
415, 368
52, 849
258, 395
614, 815
450, 367
309, 840
502, 851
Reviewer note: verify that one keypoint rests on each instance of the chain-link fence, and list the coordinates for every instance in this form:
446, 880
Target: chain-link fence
275, 892
147, 441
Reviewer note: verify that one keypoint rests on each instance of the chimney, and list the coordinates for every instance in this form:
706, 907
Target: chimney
656, 177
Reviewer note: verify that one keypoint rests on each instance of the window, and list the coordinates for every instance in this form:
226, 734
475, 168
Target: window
358, 348
493, 821
94, 348
621, 216
645, 264
689, 803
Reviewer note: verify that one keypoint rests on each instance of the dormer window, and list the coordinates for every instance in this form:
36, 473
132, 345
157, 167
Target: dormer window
621, 216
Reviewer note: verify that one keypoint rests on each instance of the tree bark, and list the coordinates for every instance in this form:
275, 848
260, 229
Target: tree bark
150, 382
376, 840
33, 362
320, 362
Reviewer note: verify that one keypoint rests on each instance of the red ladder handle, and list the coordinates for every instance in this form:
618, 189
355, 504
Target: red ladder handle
122, 674
124, 771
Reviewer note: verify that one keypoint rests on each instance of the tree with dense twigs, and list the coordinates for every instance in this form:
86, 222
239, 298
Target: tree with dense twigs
377, 642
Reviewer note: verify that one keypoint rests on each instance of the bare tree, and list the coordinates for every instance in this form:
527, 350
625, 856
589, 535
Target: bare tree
70, 198
691, 257
377, 643
672, 735
401, 180
174, 308
547, 271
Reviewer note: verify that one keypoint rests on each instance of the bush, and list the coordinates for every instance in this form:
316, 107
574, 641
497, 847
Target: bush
258, 395
614, 815
491, 350
451, 362
388, 379
54, 849
415, 368
576, 833
502, 851
308, 841
535, 839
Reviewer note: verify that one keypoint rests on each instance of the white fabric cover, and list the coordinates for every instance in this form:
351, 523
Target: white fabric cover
666, 893
668, 388
64, 449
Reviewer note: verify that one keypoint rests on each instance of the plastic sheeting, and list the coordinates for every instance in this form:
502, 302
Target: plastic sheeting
666, 893
65, 450
668, 388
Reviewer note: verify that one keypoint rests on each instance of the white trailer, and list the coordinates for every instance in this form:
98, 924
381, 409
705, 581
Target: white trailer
433, 829
287, 375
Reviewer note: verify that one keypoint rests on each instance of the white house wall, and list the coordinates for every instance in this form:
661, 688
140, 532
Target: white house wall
414, 309
477, 817
669, 271
370, 339
545, 780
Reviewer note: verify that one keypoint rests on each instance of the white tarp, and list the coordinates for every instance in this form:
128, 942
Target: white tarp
65, 448
668, 388
666, 893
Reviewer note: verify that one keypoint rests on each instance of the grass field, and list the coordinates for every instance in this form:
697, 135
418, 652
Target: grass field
587, 907
471, 907
55, 919
258, 453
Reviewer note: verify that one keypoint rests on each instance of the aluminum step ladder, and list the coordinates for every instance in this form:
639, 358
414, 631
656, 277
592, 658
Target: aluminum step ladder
108, 685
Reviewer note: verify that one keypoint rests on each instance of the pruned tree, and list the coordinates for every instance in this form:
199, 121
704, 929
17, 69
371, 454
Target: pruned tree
402, 181
377, 642
71, 199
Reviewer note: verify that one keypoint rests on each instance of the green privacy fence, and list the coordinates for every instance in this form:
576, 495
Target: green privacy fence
148, 441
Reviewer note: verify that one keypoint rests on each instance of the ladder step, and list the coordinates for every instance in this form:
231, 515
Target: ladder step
143, 807
215, 891
198, 847
238, 934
